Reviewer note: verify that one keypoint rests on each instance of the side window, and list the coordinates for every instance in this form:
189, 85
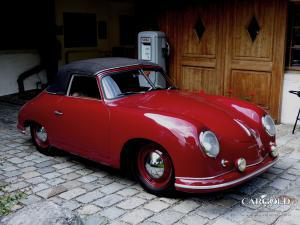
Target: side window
84, 87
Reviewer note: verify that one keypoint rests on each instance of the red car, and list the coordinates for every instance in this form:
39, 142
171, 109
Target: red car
125, 113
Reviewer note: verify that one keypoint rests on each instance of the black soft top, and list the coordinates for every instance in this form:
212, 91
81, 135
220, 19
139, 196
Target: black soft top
89, 67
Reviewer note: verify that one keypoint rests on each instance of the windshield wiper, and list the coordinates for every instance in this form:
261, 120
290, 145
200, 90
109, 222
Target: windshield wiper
171, 88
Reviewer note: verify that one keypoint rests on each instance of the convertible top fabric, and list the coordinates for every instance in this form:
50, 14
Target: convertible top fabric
89, 67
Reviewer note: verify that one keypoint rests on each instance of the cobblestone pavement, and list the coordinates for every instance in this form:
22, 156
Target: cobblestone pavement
101, 195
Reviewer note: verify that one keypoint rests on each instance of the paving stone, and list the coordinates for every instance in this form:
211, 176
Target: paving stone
293, 217
128, 192
87, 179
238, 214
94, 220
275, 171
72, 193
112, 212
268, 176
111, 188
226, 202
40, 187
156, 205
131, 203
62, 165
28, 169
26, 164
265, 216
195, 220
55, 181
51, 175
10, 168
53, 191
71, 184
84, 172
210, 211
109, 200
66, 170
15, 160
280, 184
88, 209
223, 221
16, 186
146, 195
45, 170
288, 176
167, 217
169, 200
137, 216
36, 180
45, 164
31, 174
91, 196
186, 206
71, 204
30, 199
13, 173
92, 186
70, 176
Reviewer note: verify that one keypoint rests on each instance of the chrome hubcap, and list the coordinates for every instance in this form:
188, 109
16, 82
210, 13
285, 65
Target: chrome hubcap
155, 165
41, 134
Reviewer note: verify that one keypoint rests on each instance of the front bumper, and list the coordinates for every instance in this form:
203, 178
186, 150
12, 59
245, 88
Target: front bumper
224, 181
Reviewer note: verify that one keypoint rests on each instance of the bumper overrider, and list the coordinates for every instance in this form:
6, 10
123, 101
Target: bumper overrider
223, 181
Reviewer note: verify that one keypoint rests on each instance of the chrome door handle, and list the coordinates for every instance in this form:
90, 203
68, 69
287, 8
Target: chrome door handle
58, 113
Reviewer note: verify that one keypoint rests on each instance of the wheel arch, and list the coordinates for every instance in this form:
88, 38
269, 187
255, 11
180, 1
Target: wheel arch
130, 148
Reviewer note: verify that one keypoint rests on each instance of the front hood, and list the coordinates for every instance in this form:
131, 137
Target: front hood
199, 108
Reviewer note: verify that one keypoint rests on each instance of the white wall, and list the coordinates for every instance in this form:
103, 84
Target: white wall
12, 65
290, 103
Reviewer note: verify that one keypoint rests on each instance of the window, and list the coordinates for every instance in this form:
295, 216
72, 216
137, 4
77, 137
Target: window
80, 30
157, 78
84, 87
293, 44
125, 83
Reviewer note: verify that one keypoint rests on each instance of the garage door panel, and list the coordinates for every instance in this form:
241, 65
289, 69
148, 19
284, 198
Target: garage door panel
252, 86
197, 78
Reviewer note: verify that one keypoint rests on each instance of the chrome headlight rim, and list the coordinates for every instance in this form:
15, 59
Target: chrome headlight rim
210, 153
266, 121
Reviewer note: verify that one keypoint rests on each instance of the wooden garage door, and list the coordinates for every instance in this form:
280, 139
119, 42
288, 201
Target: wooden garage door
233, 48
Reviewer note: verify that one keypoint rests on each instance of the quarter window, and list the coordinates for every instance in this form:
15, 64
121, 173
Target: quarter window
84, 87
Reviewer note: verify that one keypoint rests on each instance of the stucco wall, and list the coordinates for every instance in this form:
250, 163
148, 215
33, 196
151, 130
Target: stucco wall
290, 103
12, 65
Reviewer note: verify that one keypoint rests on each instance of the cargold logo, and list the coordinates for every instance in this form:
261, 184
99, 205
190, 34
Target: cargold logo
265, 200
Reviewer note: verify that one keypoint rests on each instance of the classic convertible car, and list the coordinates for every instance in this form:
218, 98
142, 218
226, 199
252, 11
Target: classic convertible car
125, 113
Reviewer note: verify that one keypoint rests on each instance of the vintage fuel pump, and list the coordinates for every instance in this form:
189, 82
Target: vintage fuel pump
153, 46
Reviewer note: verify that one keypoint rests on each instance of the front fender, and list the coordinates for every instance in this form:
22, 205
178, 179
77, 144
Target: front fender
178, 136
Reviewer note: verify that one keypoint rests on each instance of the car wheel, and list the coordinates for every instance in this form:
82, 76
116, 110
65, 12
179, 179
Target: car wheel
154, 170
39, 137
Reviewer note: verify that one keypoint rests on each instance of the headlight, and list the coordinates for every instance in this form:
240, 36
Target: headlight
209, 143
269, 125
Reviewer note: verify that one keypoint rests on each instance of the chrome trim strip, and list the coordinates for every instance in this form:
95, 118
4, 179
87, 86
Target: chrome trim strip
204, 178
212, 177
227, 183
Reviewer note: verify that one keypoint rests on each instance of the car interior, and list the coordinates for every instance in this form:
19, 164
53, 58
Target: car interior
85, 87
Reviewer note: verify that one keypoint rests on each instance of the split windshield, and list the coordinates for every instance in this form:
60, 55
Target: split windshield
132, 82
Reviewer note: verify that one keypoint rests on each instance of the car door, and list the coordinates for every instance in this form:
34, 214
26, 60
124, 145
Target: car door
83, 119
